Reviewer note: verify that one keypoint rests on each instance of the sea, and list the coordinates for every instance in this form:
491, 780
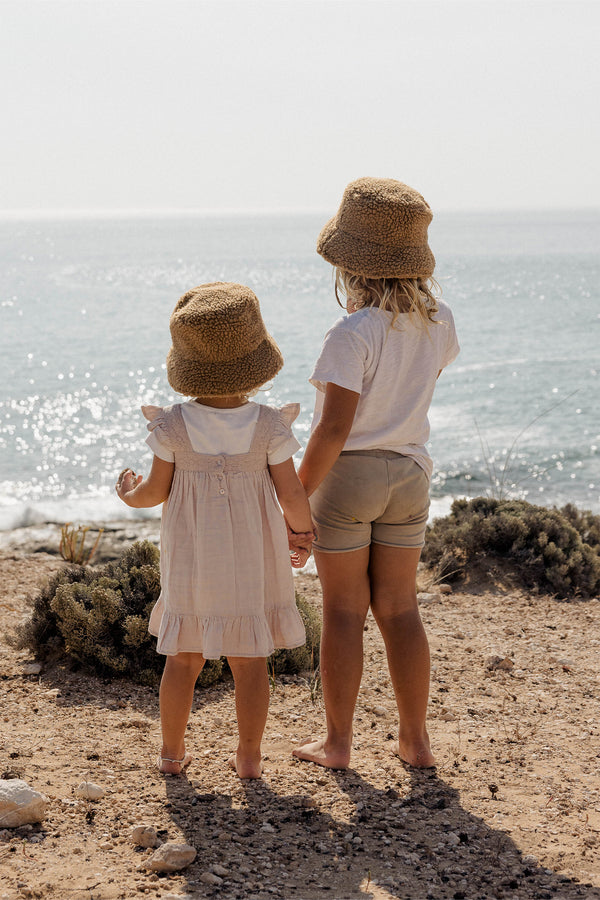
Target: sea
85, 301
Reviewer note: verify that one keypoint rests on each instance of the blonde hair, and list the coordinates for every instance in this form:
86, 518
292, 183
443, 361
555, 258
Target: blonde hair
415, 296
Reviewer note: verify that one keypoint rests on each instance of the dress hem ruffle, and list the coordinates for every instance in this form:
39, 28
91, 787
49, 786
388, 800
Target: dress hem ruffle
217, 636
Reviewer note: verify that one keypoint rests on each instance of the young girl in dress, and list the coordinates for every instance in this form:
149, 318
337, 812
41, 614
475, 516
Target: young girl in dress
221, 465
366, 468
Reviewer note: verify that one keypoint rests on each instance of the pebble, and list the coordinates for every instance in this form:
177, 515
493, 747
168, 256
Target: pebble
445, 588
87, 790
426, 597
267, 827
171, 857
380, 710
144, 836
32, 668
220, 870
210, 878
530, 860
20, 804
447, 715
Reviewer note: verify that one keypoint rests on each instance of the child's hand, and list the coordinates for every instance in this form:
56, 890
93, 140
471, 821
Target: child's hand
299, 557
127, 482
300, 540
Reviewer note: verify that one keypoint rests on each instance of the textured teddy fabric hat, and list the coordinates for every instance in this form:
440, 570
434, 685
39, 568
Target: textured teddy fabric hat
380, 230
220, 344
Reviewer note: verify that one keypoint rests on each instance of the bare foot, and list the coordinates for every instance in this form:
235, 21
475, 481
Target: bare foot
415, 754
169, 766
322, 755
246, 768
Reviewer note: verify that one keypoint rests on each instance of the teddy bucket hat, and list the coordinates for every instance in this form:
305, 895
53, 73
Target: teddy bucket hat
380, 230
220, 346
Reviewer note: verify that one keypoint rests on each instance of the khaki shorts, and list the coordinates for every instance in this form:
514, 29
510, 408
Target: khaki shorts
371, 496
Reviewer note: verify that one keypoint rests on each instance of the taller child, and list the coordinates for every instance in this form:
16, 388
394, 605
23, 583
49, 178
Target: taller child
366, 468
221, 463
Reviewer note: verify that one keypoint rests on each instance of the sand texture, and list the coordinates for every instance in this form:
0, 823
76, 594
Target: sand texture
513, 809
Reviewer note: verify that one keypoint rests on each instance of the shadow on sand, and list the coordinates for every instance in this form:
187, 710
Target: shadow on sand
409, 840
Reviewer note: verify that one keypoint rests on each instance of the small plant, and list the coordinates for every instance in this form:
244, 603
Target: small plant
555, 550
72, 544
99, 618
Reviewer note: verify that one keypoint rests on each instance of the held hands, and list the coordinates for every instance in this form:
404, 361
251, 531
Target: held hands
300, 544
127, 482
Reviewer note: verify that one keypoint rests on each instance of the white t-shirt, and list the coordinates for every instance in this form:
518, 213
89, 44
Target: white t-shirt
227, 431
394, 370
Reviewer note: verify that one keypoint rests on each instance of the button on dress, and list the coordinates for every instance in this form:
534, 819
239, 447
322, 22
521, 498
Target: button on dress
227, 586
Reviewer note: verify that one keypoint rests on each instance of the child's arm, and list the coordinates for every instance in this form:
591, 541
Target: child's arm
294, 503
138, 492
328, 439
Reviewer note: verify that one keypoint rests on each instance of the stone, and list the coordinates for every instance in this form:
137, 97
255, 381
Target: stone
445, 588
87, 790
20, 804
171, 857
379, 710
268, 828
220, 870
210, 878
499, 662
426, 597
32, 668
144, 836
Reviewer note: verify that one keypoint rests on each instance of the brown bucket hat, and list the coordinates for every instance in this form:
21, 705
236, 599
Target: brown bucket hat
380, 231
220, 344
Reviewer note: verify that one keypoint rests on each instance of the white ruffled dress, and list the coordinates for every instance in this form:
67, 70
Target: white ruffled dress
226, 582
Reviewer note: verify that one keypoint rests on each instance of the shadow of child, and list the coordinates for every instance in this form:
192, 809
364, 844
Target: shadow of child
410, 839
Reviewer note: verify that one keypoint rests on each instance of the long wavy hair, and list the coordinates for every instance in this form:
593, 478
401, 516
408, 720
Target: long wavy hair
416, 297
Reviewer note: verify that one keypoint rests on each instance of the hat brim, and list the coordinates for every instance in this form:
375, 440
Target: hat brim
233, 377
360, 257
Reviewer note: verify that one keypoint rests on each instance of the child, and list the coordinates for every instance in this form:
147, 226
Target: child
220, 465
366, 468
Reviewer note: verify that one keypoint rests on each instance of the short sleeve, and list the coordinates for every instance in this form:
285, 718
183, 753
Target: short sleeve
342, 360
157, 440
283, 444
452, 346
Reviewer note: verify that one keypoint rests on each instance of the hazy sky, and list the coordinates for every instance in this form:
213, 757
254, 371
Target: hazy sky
477, 103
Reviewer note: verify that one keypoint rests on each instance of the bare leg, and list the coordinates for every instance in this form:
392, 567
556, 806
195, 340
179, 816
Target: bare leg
346, 596
393, 572
176, 696
252, 706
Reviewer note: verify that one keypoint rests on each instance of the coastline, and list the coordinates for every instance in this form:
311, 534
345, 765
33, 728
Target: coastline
512, 810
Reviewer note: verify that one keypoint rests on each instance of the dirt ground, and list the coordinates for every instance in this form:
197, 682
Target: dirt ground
512, 810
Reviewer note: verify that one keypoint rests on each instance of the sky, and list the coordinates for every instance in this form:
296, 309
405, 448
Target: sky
256, 105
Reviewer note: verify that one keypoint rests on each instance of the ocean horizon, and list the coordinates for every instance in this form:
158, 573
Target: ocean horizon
85, 301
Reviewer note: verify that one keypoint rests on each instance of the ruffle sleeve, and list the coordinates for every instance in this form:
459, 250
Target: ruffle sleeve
158, 439
282, 443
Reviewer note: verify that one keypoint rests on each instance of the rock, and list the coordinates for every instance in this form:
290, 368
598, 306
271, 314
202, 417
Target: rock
144, 836
447, 716
425, 597
445, 588
380, 710
209, 878
171, 857
499, 662
530, 860
32, 668
267, 827
87, 790
220, 870
20, 804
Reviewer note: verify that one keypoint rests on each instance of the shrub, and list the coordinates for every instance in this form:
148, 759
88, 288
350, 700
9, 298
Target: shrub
99, 618
556, 550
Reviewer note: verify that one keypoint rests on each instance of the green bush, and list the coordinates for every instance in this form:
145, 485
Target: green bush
99, 618
556, 550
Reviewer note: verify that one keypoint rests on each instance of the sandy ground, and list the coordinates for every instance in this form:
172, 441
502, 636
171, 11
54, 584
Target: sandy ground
513, 809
